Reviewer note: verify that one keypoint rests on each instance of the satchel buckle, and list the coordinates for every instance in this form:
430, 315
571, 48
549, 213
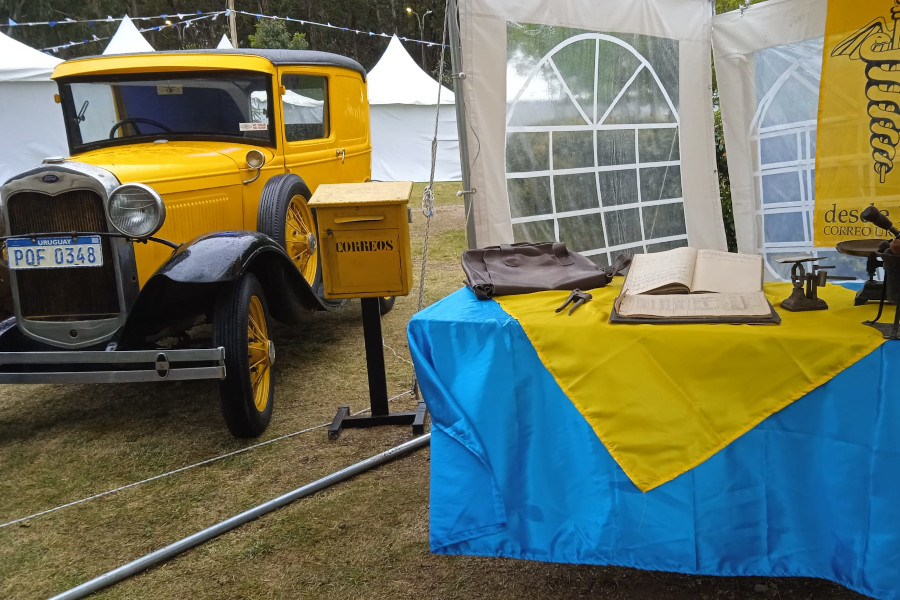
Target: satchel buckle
576, 298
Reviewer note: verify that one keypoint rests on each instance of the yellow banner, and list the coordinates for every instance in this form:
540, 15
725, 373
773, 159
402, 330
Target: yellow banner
859, 120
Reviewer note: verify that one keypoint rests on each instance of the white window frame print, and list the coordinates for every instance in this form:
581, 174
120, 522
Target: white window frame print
804, 167
595, 123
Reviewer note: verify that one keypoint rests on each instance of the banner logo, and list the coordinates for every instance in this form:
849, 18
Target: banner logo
878, 45
858, 125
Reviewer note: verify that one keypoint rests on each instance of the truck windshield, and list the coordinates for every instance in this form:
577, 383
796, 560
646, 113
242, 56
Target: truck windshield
225, 105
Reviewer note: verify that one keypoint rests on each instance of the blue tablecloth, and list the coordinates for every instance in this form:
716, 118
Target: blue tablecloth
516, 471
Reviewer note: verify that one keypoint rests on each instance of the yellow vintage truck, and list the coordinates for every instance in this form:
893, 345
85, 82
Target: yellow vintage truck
183, 201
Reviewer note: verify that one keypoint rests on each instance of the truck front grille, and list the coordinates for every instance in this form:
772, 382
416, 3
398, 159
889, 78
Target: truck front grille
67, 294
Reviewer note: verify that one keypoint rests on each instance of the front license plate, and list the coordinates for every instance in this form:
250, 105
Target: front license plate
54, 252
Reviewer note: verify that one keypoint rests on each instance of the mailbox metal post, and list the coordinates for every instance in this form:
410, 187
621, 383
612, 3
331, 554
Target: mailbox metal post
364, 241
371, 316
378, 399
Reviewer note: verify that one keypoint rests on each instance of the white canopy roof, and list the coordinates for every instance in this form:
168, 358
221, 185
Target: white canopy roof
224, 43
19, 62
127, 40
397, 79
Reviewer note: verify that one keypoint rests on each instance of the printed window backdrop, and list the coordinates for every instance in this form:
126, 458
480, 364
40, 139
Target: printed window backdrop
592, 144
783, 132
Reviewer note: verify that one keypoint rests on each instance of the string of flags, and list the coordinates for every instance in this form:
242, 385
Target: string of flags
329, 25
186, 19
108, 19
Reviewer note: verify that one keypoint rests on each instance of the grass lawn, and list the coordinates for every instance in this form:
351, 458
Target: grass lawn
365, 538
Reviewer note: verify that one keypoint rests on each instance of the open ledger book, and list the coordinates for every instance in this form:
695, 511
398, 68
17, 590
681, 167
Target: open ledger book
687, 285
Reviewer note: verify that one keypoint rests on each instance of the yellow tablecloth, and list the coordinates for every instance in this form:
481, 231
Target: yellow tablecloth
664, 398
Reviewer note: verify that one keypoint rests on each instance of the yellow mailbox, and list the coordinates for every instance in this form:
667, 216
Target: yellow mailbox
364, 238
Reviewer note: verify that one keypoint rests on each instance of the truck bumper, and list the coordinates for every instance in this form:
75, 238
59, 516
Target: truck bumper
99, 366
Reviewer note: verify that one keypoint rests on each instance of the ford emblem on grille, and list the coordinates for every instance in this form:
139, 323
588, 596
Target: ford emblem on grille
162, 365
50, 178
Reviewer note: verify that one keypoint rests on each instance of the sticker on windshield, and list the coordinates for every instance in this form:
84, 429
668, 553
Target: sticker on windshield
253, 126
169, 90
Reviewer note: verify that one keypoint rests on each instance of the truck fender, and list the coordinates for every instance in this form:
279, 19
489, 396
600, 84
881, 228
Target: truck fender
187, 283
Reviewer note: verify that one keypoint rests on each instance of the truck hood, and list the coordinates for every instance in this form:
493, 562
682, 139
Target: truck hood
174, 166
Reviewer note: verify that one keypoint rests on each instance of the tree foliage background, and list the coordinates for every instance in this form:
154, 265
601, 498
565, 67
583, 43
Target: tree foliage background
272, 33
721, 159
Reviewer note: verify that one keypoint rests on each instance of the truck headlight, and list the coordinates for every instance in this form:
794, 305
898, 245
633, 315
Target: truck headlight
136, 210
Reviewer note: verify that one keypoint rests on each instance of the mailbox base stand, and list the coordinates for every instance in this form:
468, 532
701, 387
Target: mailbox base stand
378, 399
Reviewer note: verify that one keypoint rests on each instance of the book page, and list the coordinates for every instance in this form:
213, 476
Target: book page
750, 304
727, 272
649, 272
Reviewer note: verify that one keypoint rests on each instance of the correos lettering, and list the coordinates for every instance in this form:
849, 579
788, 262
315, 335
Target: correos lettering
366, 246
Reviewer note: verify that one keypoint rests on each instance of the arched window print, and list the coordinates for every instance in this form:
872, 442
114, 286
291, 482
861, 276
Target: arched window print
592, 144
783, 134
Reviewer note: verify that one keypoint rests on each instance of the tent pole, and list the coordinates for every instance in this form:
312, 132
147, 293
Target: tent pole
461, 127
232, 24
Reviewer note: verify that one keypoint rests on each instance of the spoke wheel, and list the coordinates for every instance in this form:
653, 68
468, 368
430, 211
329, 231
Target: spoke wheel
241, 327
300, 238
285, 216
259, 354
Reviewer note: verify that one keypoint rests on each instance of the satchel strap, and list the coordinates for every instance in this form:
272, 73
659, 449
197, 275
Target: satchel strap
510, 255
562, 254
621, 262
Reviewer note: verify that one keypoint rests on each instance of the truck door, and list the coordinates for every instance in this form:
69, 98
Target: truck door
323, 128
350, 118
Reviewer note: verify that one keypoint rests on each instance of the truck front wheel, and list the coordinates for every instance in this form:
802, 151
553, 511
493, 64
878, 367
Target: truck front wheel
241, 327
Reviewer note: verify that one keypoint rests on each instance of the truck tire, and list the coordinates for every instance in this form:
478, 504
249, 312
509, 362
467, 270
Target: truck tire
240, 325
285, 216
386, 303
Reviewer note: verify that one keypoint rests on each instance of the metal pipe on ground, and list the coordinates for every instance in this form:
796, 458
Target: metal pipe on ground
184, 544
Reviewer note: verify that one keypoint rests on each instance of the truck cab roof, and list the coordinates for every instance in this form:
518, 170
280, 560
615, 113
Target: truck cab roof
257, 59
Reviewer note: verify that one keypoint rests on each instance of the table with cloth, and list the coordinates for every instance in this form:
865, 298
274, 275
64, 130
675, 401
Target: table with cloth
710, 449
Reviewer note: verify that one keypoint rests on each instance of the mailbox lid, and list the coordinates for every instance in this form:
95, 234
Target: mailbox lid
337, 195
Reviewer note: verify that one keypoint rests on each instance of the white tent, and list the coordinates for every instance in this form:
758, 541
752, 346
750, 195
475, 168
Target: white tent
127, 39
297, 108
31, 121
403, 102
224, 43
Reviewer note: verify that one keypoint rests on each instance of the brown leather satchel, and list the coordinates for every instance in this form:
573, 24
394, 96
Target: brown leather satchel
533, 267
